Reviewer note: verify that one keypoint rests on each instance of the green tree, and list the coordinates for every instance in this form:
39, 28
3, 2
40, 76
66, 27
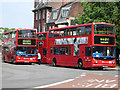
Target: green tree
108, 12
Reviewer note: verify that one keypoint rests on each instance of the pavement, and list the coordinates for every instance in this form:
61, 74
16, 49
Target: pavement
88, 80
117, 68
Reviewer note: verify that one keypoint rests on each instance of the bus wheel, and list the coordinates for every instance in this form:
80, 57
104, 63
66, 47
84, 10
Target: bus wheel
4, 59
79, 64
54, 62
12, 60
100, 68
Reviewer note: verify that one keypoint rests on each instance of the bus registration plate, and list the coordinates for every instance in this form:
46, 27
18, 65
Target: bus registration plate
105, 66
26, 61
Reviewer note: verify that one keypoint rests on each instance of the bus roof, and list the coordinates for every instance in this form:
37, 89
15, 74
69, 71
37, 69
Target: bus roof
82, 25
18, 29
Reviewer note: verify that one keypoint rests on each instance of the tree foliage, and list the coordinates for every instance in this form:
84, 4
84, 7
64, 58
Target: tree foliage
108, 12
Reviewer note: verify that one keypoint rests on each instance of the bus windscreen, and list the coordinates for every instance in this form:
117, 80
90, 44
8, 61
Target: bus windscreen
103, 52
26, 51
103, 29
26, 33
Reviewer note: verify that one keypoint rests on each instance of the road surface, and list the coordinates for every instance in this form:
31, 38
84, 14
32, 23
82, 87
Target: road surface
45, 76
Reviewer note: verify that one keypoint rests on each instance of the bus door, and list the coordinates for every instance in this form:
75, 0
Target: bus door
88, 56
76, 54
66, 53
44, 57
82, 53
7, 53
42, 50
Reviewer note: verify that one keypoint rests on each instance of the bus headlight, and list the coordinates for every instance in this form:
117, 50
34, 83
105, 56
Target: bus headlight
19, 58
96, 62
113, 62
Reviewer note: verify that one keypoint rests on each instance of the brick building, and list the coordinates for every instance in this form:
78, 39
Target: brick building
48, 15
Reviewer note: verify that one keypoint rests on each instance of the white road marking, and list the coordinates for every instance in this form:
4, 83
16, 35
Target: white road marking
77, 77
83, 85
98, 86
116, 76
73, 85
82, 75
89, 85
108, 81
113, 85
45, 86
109, 85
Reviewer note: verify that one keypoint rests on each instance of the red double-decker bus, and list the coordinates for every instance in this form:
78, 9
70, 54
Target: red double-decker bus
19, 46
85, 45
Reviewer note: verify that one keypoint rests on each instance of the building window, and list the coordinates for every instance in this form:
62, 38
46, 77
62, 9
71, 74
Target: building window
49, 27
36, 15
65, 13
52, 26
40, 15
72, 22
39, 28
54, 15
44, 14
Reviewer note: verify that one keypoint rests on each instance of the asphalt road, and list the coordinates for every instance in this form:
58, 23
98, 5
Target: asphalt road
30, 76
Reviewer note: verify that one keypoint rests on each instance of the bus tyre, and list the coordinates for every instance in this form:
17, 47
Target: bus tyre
12, 60
80, 64
54, 62
100, 68
3, 59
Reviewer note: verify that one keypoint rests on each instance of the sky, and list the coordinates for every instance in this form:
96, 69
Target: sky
17, 14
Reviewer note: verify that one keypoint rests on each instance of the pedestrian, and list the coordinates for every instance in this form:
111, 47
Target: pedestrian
39, 58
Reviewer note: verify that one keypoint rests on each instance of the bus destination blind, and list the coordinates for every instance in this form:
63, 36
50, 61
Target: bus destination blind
26, 42
104, 40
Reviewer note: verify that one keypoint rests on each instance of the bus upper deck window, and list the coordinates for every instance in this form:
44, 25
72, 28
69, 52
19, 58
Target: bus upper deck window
80, 30
63, 32
88, 29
